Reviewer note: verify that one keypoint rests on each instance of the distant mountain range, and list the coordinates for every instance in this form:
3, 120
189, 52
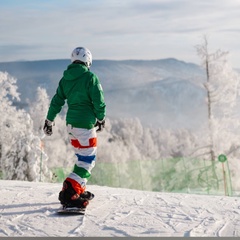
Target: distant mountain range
161, 93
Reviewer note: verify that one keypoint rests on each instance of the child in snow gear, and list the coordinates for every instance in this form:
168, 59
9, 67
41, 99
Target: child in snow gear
86, 110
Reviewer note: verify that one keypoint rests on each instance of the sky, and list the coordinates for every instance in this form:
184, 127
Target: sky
118, 29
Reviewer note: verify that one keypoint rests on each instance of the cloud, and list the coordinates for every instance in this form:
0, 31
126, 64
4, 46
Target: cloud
114, 29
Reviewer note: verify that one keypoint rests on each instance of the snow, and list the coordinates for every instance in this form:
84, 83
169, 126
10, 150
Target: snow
29, 209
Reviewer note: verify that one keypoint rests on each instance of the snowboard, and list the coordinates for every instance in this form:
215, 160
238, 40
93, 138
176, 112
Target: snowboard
75, 210
71, 211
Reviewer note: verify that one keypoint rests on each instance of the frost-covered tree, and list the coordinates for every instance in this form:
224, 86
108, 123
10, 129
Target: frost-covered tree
38, 109
128, 139
19, 146
25, 159
140, 156
222, 88
8, 92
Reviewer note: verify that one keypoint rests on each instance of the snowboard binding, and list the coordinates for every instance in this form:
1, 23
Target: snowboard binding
69, 198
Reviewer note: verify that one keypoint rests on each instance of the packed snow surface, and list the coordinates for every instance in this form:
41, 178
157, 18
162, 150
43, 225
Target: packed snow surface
29, 209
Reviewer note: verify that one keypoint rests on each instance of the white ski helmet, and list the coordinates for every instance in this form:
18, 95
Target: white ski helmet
82, 54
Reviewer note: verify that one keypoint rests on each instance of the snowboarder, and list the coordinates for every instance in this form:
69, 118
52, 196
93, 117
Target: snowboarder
86, 110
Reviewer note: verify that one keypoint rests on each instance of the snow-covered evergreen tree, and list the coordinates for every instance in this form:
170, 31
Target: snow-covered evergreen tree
20, 156
8, 92
25, 159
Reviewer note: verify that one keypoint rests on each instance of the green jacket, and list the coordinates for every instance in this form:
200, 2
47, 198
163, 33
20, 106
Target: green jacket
83, 92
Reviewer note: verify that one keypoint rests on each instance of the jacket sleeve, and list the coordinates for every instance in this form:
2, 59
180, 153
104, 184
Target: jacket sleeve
57, 102
97, 97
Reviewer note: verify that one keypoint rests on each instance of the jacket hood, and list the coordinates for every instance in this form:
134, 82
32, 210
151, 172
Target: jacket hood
74, 71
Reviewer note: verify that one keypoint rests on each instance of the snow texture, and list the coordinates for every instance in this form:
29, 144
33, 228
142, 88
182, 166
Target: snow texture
29, 209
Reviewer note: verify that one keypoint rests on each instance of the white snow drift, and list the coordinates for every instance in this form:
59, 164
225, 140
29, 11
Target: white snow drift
29, 209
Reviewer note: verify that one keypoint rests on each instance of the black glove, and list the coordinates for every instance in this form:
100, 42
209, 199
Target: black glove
48, 127
100, 125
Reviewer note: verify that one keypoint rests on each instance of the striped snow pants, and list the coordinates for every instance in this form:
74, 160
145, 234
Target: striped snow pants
84, 142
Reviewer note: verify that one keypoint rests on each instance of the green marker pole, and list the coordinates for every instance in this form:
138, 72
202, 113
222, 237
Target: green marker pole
222, 158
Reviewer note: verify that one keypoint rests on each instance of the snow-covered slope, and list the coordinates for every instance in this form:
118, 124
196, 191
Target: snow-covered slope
29, 209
